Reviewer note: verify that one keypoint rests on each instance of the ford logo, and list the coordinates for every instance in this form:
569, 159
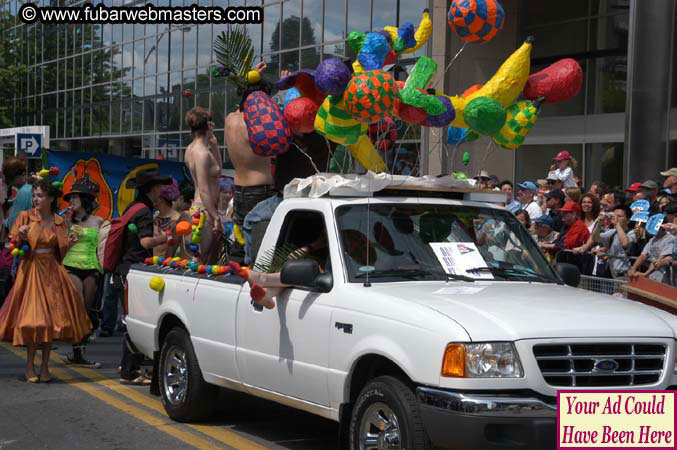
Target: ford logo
605, 365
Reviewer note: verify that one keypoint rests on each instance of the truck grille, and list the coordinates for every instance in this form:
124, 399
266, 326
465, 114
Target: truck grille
584, 365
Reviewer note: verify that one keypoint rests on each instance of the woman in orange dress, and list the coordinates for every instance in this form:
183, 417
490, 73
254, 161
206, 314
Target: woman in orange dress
43, 305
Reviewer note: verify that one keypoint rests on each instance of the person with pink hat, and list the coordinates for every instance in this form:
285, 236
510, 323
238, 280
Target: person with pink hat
563, 169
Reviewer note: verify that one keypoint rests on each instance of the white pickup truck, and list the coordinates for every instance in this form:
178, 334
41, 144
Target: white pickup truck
429, 320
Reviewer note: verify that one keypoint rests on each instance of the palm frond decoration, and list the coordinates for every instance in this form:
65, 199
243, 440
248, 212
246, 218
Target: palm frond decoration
224, 252
273, 259
234, 51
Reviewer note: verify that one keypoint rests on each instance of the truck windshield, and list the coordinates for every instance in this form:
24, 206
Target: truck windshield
404, 242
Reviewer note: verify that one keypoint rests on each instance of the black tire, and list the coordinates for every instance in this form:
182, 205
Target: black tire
197, 402
400, 398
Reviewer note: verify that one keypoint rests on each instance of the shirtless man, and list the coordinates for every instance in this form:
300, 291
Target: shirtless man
253, 180
203, 160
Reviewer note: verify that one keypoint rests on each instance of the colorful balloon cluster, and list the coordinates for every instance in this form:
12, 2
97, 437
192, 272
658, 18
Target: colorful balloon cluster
340, 99
51, 172
17, 250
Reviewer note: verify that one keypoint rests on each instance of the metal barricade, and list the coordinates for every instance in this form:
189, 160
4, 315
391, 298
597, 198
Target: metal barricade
610, 286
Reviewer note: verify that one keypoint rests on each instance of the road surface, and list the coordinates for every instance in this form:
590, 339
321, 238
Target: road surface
89, 409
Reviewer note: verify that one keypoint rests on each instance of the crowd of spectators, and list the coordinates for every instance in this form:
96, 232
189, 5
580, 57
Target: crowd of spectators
596, 229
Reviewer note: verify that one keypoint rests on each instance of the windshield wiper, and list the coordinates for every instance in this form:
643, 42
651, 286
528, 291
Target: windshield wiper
413, 274
511, 272
453, 276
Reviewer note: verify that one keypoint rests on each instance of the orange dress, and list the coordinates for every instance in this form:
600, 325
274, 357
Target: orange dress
43, 305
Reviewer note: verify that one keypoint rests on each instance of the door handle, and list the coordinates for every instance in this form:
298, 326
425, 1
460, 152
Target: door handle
346, 327
257, 306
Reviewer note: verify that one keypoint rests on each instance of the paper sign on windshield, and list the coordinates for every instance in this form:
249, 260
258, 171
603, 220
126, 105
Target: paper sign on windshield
458, 257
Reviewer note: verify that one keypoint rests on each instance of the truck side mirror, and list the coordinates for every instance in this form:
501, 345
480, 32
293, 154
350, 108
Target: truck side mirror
569, 273
305, 273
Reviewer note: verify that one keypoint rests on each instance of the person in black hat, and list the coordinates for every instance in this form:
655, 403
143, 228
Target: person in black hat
138, 245
554, 200
81, 261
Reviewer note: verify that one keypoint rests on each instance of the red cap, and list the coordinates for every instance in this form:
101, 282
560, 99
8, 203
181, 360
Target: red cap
634, 187
561, 156
570, 207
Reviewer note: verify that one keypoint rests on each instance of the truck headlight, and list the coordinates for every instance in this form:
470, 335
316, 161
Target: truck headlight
482, 360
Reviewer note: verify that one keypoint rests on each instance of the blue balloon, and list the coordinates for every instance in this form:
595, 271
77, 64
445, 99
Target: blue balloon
456, 135
290, 95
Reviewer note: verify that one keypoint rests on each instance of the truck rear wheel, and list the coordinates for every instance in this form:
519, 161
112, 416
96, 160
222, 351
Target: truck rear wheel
387, 415
185, 395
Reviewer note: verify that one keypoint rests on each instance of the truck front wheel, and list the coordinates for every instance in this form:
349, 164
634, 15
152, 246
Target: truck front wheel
387, 416
185, 395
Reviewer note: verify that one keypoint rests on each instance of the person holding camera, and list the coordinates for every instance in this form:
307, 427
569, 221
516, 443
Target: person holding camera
616, 242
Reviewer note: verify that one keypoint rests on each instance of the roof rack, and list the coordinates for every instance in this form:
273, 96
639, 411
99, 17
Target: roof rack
467, 194
386, 185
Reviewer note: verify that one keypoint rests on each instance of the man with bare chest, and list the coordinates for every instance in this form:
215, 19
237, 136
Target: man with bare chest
253, 179
204, 162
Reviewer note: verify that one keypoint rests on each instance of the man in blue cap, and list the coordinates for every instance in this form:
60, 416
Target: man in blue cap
527, 191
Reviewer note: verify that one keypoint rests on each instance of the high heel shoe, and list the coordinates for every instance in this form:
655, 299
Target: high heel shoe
46, 380
33, 379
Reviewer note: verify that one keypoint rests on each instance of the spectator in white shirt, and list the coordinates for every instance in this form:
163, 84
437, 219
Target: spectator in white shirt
526, 193
657, 253
563, 169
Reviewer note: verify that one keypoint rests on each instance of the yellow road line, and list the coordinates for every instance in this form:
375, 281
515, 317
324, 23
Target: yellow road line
155, 422
216, 432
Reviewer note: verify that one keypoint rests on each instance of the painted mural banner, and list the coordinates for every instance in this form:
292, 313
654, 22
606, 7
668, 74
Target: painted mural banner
110, 173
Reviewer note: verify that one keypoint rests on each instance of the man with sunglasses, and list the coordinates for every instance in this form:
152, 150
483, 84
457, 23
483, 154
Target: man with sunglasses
553, 183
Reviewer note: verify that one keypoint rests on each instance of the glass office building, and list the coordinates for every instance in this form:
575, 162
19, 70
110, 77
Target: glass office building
622, 125
595, 33
125, 89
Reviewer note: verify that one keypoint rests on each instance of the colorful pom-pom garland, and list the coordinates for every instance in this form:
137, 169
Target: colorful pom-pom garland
192, 266
199, 219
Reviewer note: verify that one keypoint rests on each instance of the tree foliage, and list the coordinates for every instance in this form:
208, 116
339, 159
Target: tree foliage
12, 72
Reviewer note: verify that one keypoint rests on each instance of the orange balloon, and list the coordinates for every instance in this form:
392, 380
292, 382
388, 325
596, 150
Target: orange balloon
184, 228
471, 89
